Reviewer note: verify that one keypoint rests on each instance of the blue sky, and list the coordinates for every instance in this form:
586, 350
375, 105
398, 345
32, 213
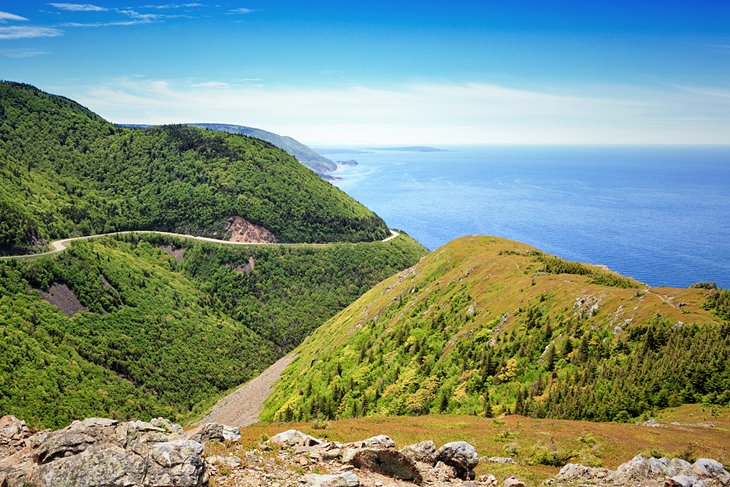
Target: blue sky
510, 72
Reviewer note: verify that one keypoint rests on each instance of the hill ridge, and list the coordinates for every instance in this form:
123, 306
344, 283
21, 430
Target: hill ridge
487, 326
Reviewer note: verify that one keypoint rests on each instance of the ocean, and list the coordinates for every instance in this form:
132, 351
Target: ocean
658, 214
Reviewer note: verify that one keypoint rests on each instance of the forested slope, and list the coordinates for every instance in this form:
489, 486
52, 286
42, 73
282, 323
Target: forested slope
64, 171
484, 326
161, 326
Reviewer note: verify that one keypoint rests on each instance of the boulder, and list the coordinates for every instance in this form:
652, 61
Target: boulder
347, 479
292, 438
178, 462
388, 462
424, 452
380, 441
216, 432
706, 467
513, 482
641, 468
460, 455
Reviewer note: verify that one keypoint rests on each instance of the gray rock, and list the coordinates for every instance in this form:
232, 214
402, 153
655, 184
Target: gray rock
488, 479
12, 430
684, 481
347, 479
216, 432
95, 466
168, 426
380, 441
460, 455
425, 452
293, 438
513, 482
388, 462
443, 472
642, 468
706, 467
177, 462
573, 472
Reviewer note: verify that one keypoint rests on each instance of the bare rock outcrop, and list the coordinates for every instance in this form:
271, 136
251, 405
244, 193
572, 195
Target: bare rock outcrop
649, 472
243, 231
103, 452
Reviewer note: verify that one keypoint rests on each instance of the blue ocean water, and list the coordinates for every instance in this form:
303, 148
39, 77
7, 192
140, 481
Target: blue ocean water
658, 214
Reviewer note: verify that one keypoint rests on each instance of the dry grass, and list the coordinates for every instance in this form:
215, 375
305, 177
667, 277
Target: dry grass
605, 444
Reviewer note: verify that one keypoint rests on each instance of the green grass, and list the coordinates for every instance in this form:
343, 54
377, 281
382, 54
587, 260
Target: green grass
528, 439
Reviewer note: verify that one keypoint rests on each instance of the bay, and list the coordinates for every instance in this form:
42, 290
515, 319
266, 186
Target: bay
658, 214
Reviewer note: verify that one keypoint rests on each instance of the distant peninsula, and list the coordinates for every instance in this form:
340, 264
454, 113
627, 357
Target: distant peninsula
341, 151
414, 148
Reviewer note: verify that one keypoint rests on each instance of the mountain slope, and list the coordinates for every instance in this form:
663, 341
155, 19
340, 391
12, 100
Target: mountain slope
64, 172
484, 325
148, 325
301, 152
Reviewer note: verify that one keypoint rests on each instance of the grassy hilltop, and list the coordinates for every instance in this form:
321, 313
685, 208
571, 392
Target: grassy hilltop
485, 326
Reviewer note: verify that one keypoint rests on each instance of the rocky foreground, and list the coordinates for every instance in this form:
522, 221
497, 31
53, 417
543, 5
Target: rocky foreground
103, 452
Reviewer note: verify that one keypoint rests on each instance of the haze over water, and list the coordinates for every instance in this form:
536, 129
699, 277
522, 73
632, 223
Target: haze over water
658, 214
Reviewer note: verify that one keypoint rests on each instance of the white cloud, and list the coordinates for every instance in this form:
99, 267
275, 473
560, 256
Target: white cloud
5, 16
137, 18
706, 91
174, 5
21, 53
78, 7
241, 10
28, 32
142, 17
210, 84
425, 113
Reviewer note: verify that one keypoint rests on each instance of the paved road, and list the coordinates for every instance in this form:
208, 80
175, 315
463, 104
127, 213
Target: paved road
61, 245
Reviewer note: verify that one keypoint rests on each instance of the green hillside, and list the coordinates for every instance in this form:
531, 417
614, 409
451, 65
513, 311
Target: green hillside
64, 172
314, 161
167, 325
484, 326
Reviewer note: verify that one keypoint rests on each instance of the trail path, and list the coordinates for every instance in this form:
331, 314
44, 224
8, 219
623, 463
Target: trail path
243, 406
61, 245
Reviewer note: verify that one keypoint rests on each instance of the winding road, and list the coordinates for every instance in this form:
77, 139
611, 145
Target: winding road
61, 245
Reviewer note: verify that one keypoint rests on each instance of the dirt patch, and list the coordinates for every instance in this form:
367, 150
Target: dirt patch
64, 298
248, 267
243, 231
177, 254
